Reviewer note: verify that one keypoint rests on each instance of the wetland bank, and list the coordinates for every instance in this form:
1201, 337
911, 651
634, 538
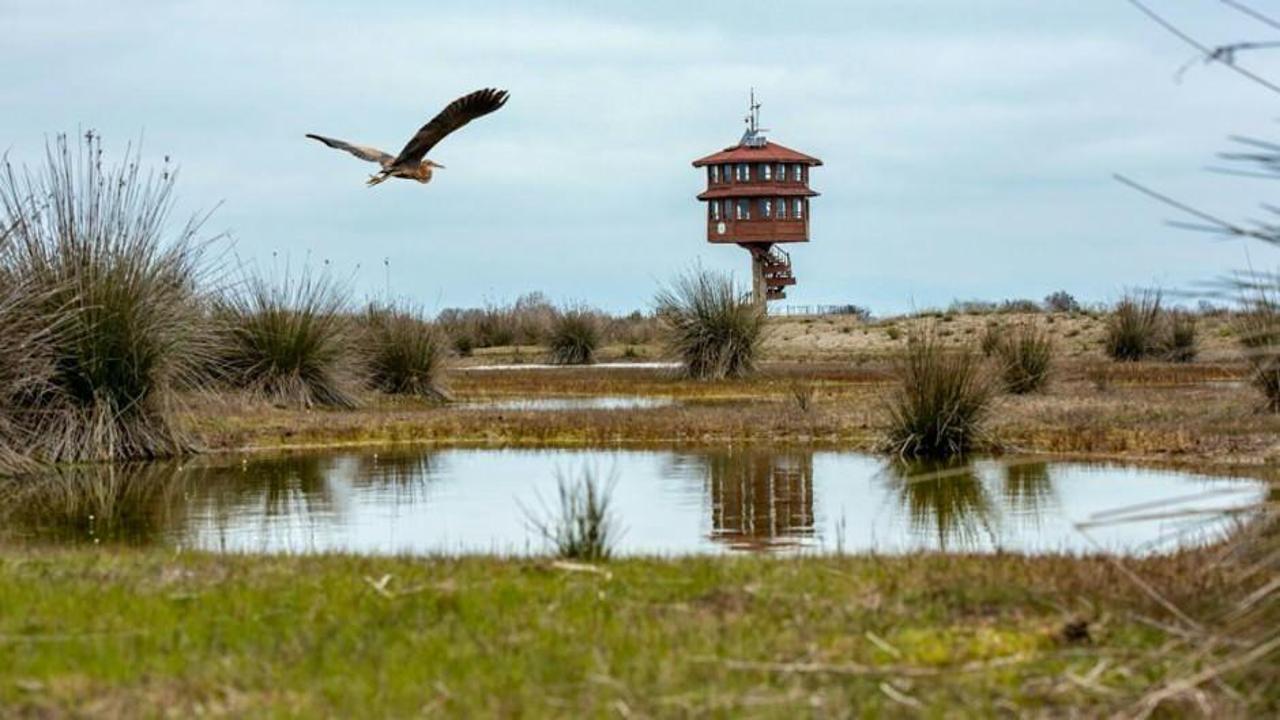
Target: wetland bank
765, 594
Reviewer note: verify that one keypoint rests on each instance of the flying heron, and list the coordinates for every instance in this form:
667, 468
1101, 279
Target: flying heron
411, 163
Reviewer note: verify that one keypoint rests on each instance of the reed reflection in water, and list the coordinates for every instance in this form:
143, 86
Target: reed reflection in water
666, 502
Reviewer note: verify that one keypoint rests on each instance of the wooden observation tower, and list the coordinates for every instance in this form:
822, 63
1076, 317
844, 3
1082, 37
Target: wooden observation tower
757, 197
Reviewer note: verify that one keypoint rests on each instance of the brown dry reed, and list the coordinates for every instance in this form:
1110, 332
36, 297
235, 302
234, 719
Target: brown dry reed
93, 266
711, 327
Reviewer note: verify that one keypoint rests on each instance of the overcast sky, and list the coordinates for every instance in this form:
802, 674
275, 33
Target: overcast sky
969, 144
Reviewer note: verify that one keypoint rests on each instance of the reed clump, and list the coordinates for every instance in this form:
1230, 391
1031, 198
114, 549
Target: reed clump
1135, 328
92, 264
942, 400
1182, 342
406, 354
1258, 329
993, 334
1025, 356
711, 326
26, 366
574, 336
290, 341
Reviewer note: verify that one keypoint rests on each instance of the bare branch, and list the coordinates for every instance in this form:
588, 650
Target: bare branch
1224, 54
1256, 15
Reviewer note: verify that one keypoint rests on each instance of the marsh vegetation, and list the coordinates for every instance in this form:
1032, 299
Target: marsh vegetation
711, 325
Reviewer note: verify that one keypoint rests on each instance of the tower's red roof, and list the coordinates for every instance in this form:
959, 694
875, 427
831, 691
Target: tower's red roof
765, 190
769, 152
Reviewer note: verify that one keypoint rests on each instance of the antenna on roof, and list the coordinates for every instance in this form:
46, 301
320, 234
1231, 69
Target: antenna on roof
754, 135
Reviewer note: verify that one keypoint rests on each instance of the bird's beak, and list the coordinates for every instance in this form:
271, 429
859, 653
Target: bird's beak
436, 164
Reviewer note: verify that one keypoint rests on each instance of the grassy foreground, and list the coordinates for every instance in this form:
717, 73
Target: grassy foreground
142, 632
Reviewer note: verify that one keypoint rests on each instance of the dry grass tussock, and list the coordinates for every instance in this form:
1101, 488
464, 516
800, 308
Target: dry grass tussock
574, 336
405, 354
941, 402
712, 327
91, 261
289, 341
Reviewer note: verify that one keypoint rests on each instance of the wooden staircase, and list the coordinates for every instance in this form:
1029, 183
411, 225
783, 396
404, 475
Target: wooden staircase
777, 273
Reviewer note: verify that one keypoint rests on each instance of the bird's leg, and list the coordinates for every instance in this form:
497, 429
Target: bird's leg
379, 177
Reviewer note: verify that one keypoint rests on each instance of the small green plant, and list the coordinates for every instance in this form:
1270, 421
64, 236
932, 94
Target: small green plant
574, 336
941, 402
288, 341
714, 328
1182, 341
893, 332
583, 526
406, 355
1026, 357
1134, 330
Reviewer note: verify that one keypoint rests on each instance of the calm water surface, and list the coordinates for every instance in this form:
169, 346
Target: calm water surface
667, 502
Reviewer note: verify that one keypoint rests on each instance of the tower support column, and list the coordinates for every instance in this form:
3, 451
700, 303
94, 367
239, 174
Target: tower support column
759, 291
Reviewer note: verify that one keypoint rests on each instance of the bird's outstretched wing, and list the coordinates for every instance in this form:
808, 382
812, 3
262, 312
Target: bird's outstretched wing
360, 151
458, 113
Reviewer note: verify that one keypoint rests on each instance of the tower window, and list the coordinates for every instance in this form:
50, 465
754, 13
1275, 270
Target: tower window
766, 172
782, 209
744, 210
797, 210
782, 171
744, 173
766, 208
797, 172
715, 173
715, 209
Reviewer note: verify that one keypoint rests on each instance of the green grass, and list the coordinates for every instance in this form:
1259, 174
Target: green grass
131, 632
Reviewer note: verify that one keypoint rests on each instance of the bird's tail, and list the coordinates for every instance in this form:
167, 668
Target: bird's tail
377, 178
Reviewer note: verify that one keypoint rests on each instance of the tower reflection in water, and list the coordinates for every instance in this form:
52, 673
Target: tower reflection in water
760, 500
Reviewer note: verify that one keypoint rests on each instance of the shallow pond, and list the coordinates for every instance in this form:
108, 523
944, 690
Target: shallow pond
665, 501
